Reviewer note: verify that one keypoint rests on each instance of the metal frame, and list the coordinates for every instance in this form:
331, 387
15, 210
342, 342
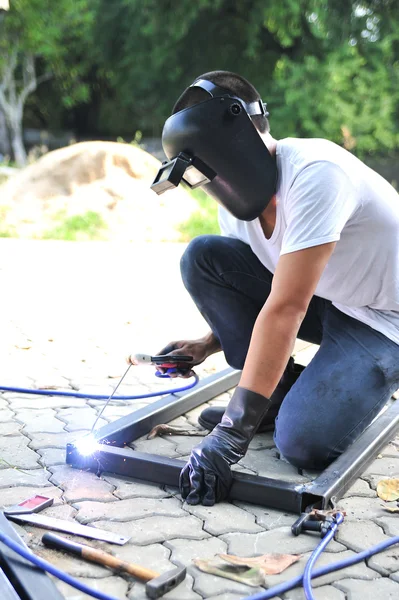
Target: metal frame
19, 579
322, 492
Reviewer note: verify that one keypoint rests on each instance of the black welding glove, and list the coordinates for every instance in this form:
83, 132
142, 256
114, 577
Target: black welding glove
207, 477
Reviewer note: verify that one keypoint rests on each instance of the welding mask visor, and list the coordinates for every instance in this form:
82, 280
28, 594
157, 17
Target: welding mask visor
215, 145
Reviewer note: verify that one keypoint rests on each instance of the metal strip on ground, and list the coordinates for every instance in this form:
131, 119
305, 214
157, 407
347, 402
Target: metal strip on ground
29, 582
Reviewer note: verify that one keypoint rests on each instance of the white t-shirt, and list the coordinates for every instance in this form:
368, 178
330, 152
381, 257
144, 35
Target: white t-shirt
325, 194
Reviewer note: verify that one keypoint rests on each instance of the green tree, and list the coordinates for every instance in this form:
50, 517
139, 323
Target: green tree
326, 67
37, 39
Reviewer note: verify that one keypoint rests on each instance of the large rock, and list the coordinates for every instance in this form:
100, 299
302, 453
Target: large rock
108, 178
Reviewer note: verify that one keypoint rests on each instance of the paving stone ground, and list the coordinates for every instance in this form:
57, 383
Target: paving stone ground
71, 313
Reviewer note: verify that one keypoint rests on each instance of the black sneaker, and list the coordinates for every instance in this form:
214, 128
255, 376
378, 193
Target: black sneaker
211, 416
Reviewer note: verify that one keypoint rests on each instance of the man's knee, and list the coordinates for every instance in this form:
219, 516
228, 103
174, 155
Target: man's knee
302, 451
199, 256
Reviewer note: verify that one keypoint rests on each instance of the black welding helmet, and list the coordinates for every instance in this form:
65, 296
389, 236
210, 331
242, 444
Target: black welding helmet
215, 145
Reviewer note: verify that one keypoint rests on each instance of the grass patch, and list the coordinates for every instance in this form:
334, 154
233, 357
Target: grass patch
8, 232
203, 221
88, 226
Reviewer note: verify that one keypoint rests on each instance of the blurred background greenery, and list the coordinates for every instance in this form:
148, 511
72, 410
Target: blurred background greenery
108, 69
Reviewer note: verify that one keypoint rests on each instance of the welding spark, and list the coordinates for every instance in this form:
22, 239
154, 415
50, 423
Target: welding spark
86, 445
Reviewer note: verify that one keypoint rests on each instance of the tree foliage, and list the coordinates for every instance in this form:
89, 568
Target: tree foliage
327, 68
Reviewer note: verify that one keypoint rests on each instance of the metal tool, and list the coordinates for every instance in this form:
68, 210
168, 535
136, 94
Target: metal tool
34, 504
69, 527
157, 584
109, 399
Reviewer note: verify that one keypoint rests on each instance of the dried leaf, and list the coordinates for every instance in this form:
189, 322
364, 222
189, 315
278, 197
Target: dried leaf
269, 564
388, 489
169, 430
391, 509
253, 577
322, 515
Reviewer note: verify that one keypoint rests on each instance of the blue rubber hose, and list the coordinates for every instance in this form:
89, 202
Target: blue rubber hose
280, 589
98, 396
46, 566
307, 574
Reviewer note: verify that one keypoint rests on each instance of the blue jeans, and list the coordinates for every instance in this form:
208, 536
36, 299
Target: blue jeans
349, 380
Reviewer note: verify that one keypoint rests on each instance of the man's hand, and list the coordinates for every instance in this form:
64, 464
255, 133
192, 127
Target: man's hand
199, 349
207, 478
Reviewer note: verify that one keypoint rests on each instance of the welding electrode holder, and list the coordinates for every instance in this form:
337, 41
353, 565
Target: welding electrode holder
308, 521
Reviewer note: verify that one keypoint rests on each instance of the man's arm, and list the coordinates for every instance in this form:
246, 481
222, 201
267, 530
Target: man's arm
273, 337
207, 476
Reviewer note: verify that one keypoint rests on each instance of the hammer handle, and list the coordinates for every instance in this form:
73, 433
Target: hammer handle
98, 556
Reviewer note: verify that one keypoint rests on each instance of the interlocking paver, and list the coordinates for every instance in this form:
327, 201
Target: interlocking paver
10, 428
126, 487
326, 592
6, 415
76, 419
185, 551
81, 485
126, 510
386, 465
114, 586
359, 535
51, 440
383, 588
151, 530
224, 518
360, 488
153, 556
357, 507
19, 477
227, 596
268, 518
276, 540
17, 454
390, 524
3, 403
50, 457
39, 421
266, 464
42, 402
158, 445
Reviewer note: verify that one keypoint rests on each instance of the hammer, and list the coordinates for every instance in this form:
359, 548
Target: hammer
156, 584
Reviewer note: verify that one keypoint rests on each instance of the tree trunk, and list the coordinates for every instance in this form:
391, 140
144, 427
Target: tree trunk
5, 148
17, 143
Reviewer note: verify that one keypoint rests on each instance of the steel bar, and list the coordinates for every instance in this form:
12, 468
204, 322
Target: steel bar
336, 479
138, 423
330, 485
29, 582
7, 592
158, 469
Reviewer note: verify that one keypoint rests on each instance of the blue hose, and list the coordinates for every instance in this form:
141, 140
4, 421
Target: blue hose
98, 396
46, 566
277, 590
307, 574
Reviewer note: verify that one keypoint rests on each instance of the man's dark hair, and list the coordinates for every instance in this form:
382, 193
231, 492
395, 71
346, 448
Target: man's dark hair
233, 83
